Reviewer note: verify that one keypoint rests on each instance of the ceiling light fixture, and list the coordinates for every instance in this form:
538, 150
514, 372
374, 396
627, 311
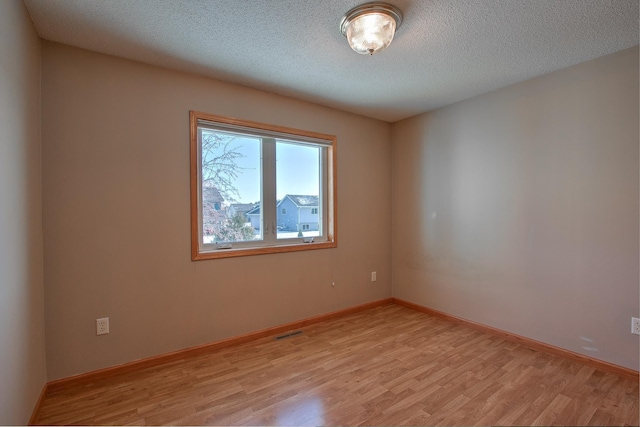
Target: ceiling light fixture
370, 27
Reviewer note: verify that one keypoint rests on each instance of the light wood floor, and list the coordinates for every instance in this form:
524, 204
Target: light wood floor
385, 366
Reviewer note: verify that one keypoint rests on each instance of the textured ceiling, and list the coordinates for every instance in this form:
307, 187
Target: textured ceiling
444, 51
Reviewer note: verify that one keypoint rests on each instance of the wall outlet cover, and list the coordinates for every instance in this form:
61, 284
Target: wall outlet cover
102, 326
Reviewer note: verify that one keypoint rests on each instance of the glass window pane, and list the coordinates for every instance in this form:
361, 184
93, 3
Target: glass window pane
231, 187
297, 190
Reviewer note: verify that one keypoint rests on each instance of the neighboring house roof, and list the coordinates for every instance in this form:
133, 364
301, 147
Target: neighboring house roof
211, 194
242, 207
298, 200
301, 201
254, 211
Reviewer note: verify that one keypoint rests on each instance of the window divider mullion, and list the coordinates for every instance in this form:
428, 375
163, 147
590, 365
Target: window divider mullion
269, 190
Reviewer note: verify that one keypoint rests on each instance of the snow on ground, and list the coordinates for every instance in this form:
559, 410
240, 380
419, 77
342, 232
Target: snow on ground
281, 235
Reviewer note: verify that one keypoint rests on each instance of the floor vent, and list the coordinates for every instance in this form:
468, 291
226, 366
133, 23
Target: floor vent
289, 335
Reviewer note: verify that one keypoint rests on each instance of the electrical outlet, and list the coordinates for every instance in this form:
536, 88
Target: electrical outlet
102, 326
635, 325
373, 276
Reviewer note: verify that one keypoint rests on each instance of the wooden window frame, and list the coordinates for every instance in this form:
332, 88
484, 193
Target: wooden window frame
330, 189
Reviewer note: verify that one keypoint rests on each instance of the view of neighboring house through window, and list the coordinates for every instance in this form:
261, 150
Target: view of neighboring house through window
229, 163
256, 186
298, 216
298, 184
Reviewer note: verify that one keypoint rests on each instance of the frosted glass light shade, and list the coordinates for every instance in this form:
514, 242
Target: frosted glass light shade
369, 28
370, 33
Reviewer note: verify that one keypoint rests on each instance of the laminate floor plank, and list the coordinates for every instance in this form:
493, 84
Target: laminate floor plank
388, 365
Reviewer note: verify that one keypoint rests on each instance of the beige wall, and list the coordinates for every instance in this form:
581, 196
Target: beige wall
116, 215
22, 362
518, 209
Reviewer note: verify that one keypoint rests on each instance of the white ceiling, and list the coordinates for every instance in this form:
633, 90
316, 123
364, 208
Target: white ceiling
444, 51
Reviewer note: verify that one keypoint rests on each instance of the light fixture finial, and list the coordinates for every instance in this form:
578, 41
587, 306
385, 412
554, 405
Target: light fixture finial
370, 27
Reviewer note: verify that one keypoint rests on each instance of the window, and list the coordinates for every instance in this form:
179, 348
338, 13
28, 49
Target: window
269, 171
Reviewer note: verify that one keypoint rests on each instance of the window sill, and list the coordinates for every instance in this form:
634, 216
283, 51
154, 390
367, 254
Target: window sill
231, 253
